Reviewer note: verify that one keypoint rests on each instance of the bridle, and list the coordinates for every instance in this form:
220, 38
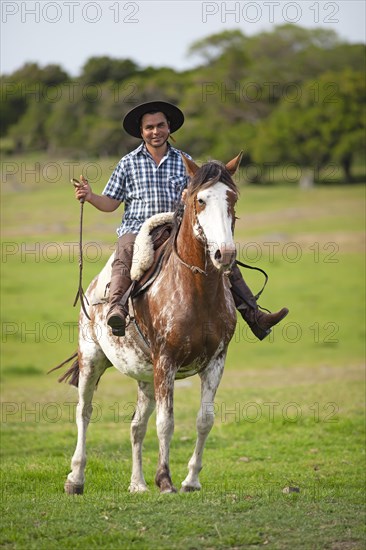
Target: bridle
201, 236
195, 269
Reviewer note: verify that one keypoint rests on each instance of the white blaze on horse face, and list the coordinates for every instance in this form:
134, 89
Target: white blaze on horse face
216, 223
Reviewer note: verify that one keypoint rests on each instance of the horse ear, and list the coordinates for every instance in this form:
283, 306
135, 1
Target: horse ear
233, 164
191, 167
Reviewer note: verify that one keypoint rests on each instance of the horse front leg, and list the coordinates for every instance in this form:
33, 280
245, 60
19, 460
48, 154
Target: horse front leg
164, 377
144, 407
90, 370
210, 380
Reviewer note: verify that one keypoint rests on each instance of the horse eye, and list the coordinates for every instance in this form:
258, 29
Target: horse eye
201, 202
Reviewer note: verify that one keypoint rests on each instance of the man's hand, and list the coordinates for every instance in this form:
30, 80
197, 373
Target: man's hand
82, 189
83, 192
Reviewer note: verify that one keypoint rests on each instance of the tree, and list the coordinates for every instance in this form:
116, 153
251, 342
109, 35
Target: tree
26, 86
264, 93
215, 46
12, 104
326, 124
101, 69
29, 132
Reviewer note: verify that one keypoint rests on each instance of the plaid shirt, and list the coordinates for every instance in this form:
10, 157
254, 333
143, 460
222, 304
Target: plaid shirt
146, 189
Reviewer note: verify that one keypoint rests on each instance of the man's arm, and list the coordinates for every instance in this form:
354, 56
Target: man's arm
101, 202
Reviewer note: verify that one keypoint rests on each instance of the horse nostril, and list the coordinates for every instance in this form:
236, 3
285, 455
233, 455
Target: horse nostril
225, 255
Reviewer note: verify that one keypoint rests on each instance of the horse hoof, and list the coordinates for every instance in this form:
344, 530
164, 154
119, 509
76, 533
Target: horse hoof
73, 488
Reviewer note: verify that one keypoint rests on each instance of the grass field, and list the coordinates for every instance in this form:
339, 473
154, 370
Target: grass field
289, 410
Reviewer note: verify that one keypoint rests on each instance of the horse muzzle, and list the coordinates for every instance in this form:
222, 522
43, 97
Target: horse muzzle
224, 256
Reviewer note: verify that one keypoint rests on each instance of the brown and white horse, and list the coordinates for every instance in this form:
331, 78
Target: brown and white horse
188, 318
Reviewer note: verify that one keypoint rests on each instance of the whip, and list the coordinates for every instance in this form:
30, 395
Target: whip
80, 292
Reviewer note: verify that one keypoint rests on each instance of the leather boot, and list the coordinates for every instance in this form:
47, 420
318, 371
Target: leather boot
117, 314
119, 285
260, 323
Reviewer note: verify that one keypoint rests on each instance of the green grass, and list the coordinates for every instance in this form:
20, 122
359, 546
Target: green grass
289, 410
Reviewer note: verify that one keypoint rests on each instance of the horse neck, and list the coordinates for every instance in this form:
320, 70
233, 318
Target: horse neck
189, 248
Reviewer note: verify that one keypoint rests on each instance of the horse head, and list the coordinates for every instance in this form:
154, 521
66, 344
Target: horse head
211, 196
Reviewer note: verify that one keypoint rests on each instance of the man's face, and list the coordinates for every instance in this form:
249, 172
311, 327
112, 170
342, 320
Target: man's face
154, 129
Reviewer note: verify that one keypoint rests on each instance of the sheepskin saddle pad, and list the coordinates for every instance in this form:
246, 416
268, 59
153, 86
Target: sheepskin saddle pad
145, 251
145, 245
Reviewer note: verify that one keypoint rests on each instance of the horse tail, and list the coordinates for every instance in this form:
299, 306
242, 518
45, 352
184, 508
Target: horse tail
72, 374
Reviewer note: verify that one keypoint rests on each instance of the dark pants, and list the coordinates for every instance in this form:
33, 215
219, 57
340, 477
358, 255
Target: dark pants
121, 268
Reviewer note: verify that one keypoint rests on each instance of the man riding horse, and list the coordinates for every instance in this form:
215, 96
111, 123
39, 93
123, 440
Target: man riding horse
150, 180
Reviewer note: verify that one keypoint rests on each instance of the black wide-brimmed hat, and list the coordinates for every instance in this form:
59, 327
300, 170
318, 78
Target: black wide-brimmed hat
132, 121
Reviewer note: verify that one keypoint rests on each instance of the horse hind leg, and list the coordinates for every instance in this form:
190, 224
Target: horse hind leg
144, 408
91, 368
210, 380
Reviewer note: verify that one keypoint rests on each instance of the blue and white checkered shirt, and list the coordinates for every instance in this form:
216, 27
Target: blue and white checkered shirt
145, 188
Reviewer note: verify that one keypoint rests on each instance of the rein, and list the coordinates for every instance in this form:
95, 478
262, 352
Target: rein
80, 292
195, 269
256, 269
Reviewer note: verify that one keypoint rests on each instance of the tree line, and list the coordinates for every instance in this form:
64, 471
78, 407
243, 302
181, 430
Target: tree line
289, 95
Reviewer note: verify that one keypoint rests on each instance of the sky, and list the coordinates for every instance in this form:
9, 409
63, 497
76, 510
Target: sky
151, 33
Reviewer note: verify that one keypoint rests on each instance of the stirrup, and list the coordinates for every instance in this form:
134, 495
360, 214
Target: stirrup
117, 324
